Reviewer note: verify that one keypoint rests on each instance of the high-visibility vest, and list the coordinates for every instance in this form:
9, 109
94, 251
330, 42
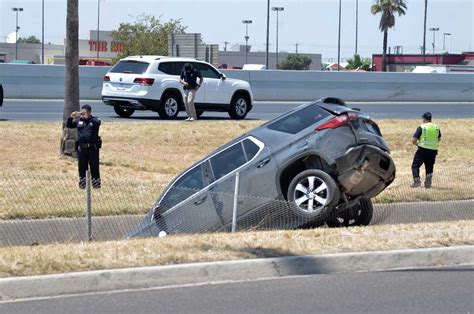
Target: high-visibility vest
429, 136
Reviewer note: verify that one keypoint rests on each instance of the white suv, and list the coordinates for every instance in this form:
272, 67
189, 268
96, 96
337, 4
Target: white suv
152, 83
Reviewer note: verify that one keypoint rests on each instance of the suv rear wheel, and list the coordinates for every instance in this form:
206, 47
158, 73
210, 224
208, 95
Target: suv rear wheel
360, 215
239, 106
312, 194
123, 112
169, 107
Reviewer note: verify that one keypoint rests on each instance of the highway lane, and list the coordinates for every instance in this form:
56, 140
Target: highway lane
51, 110
434, 290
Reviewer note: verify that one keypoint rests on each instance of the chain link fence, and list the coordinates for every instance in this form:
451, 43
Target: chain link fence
51, 208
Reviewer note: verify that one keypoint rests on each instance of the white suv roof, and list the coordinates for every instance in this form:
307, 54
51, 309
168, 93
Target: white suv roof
149, 58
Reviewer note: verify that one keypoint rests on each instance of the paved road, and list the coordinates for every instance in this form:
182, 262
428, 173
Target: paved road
51, 110
435, 290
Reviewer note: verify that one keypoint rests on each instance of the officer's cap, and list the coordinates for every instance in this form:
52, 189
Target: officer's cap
188, 66
87, 107
427, 116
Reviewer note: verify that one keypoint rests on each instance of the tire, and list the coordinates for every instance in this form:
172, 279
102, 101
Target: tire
1, 95
239, 107
315, 191
360, 215
123, 112
169, 106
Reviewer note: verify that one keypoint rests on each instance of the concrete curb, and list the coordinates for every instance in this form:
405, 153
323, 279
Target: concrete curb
161, 276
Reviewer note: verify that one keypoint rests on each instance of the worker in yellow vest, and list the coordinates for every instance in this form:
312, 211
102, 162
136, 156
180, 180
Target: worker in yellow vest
427, 138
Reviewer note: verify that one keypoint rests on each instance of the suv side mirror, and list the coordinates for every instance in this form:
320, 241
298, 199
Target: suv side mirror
223, 77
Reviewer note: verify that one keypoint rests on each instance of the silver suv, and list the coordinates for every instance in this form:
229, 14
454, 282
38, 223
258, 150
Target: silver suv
152, 83
323, 161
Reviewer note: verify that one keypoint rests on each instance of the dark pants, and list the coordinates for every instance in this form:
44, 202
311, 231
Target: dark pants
88, 158
423, 156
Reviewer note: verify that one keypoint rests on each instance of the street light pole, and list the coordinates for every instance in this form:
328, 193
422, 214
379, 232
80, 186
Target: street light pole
268, 33
434, 30
16, 10
357, 23
246, 22
98, 20
42, 32
277, 9
444, 40
339, 40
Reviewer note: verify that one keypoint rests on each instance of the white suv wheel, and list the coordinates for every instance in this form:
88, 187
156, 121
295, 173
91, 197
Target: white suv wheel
171, 106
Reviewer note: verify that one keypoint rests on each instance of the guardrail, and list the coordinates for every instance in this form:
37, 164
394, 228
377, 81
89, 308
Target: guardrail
47, 82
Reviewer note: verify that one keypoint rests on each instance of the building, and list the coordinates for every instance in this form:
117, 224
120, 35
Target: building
407, 62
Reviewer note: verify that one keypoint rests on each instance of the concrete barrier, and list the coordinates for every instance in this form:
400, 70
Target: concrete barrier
47, 82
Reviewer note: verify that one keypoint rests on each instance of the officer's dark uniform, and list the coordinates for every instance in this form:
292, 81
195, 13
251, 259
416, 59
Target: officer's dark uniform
88, 148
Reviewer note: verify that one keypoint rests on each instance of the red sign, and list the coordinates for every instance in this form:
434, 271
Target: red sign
117, 46
94, 45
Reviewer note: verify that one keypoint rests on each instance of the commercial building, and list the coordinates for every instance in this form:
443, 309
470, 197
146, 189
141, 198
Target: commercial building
407, 62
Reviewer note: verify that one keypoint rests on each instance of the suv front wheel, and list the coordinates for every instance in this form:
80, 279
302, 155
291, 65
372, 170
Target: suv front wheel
169, 107
312, 194
239, 106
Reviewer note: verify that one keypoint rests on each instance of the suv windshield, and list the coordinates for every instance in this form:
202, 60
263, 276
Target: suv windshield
299, 120
130, 66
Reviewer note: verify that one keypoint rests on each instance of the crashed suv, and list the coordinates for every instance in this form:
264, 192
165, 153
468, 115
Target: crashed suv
320, 163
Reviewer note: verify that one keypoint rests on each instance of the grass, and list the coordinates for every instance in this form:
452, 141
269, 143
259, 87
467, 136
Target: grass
60, 258
139, 159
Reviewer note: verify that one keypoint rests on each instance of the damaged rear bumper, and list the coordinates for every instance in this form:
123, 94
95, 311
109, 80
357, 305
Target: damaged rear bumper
365, 169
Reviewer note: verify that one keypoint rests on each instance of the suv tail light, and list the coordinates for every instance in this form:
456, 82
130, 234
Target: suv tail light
144, 81
338, 121
106, 78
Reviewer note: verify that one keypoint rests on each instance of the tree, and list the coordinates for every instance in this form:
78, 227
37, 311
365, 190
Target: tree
295, 62
387, 8
147, 36
358, 63
71, 85
29, 40
424, 32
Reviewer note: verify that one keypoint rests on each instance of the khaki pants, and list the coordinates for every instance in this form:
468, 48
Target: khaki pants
189, 95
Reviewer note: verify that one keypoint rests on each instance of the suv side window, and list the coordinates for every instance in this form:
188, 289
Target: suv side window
251, 149
178, 68
166, 67
228, 160
206, 70
190, 183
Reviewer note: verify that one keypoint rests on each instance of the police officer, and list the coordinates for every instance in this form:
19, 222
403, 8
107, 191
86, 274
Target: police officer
88, 144
189, 79
426, 137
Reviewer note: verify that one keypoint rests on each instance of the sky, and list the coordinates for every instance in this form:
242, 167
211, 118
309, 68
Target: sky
312, 24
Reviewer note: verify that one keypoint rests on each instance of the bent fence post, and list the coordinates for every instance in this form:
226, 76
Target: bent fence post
88, 206
236, 198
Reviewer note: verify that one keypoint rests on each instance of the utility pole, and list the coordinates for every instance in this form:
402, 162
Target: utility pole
357, 23
17, 28
98, 19
339, 40
246, 22
277, 9
296, 47
225, 45
268, 33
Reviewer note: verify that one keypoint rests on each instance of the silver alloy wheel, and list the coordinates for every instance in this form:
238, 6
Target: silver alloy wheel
171, 106
241, 107
311, 194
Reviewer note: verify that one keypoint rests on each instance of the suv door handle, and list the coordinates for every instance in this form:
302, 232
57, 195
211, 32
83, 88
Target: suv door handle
200, 200
264, 162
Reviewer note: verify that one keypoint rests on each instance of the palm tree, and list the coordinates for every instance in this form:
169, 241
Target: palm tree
424, 33
388, 8
71, 84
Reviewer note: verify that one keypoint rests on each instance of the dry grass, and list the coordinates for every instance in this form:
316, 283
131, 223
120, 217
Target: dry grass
140, 158
60, 258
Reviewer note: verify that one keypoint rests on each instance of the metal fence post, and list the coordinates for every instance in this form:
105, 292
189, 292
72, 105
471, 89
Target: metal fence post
236, 198
88, 206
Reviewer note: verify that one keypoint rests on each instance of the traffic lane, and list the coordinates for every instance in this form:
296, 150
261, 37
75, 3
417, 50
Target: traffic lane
51, 110
435, 290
